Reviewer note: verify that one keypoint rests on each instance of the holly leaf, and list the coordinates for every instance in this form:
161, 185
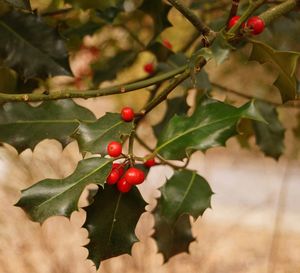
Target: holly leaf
111, 221
23, 126
60, 197
270, 136
284, 61
185, 193
174, 106
106, 70
94, 137
220, 48
212, 124
31, 47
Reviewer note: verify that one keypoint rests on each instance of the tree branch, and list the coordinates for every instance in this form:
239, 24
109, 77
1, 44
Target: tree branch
277, 11
191, 16
119, 89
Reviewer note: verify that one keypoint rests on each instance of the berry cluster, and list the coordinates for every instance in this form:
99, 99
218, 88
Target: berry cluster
122, 174
255, 24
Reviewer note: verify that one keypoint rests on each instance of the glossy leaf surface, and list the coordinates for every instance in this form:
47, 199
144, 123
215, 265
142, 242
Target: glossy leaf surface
111, 221
185, 193
212, 124
23, 126
52, 197
94, 137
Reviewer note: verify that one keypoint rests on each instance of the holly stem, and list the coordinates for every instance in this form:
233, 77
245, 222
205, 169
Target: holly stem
191, 16
153, 154
119, 89
233, 10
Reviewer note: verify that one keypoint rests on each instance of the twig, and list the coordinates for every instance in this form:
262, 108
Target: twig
119, 89
191, 16
164, 161
56, 12
233, 10
278, 10
229, 90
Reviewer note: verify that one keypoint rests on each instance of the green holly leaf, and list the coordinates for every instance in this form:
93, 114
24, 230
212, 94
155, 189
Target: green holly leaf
94, 137
185, 193
269, 137
52, 197
284, 61
220, 48
106, 70
212, 124
23, 126
111, 221
31, 47
174, 106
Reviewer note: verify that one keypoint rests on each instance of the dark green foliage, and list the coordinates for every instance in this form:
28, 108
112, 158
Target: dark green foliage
185, 193
111, 221
23, 126
31, 47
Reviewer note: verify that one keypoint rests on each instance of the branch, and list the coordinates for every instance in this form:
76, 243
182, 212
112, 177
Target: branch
56, 12
278, 10
119, 89
191, 16
233, 10
290, 104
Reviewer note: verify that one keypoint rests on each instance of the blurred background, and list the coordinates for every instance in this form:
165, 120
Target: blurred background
254, 223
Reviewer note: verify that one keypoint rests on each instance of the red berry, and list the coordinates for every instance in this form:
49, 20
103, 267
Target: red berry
123, 185
256, 24
127, 114
149, 68
114, 148
134, 176
167, 44
113, 177
119, 167
150, 162
233, 21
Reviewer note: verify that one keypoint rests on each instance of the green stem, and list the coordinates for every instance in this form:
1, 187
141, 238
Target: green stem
163, 161
191, 16
119, 89
277, 11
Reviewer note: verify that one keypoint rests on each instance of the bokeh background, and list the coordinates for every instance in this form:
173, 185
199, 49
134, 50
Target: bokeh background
254, 223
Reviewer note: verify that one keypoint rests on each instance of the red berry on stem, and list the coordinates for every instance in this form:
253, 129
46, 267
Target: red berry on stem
167, 44
150, 162
123, 185
114, 148
256, 24
134, 176
149, 68
113, 177
233, 21
127, 114
119, 167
